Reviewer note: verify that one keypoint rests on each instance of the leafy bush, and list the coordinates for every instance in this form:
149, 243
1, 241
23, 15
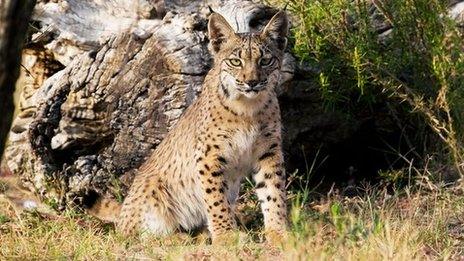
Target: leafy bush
406, 53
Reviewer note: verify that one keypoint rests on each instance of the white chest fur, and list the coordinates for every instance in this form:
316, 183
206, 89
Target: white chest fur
240, 154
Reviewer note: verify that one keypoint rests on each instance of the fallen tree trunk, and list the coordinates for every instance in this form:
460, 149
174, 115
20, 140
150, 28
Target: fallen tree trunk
14, 17
97, 119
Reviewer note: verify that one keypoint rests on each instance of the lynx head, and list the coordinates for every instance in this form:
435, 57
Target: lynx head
249, 62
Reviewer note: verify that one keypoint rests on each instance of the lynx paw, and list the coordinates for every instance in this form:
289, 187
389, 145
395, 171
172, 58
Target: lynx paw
276, 238
229, 238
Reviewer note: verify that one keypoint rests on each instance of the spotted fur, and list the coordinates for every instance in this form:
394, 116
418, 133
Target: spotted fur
232, 130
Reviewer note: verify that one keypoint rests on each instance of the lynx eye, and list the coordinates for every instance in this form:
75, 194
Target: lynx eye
265, 61
235, 62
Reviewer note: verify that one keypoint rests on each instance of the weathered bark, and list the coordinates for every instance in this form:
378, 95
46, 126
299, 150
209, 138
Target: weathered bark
14, 17
127, 79
96, 120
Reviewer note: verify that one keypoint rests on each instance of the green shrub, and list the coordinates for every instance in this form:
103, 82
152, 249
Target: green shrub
417, 67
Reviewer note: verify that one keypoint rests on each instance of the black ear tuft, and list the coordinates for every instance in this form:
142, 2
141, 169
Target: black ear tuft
277, 29
219, 31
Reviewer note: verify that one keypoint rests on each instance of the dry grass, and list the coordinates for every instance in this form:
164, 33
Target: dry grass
401, 225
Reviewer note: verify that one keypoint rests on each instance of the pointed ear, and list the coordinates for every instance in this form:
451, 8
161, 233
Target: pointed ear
277, 29
219, 31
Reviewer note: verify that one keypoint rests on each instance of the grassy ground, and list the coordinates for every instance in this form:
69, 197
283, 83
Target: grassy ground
416, 222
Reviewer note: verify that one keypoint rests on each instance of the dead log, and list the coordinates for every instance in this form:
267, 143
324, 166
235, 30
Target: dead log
121, 91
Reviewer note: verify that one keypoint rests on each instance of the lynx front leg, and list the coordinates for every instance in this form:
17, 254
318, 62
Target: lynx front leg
211, 171
270, 187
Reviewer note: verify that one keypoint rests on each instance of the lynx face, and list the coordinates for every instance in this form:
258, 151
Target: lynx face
249, 62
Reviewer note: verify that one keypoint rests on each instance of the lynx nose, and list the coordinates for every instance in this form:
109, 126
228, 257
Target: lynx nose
252, 84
